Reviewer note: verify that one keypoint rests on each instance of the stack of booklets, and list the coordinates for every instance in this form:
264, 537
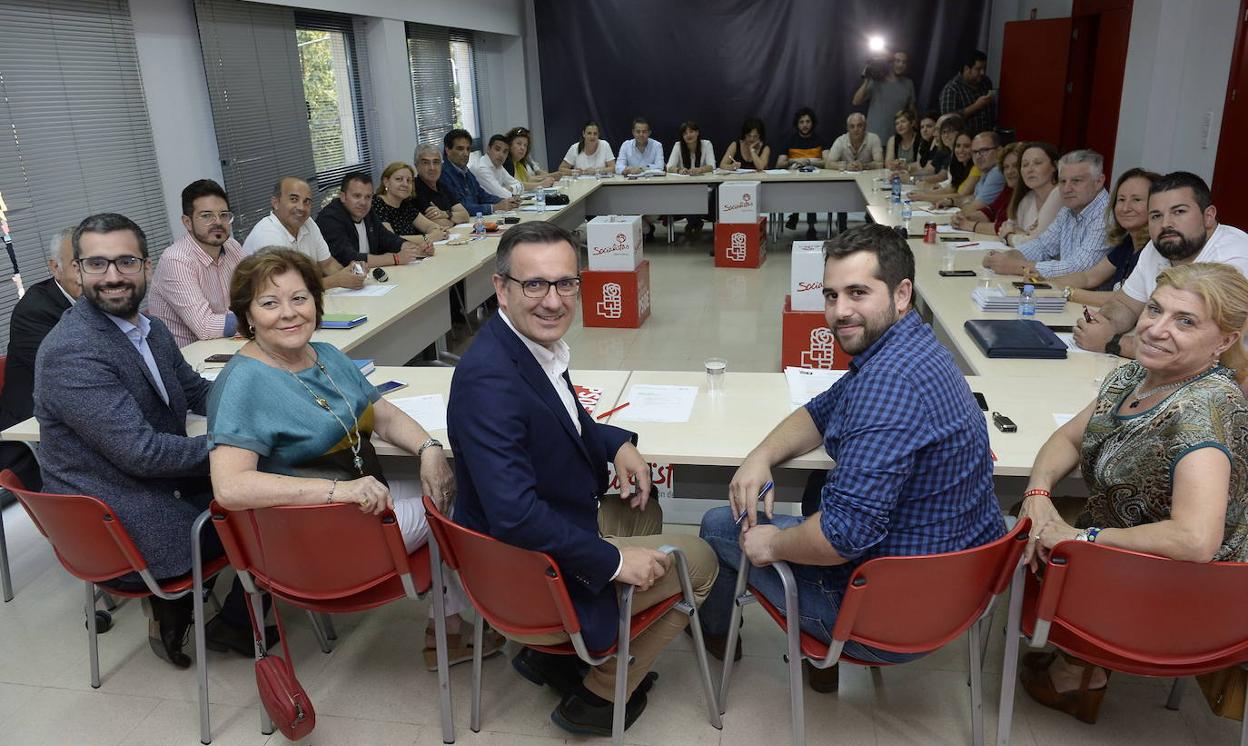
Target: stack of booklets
996, 298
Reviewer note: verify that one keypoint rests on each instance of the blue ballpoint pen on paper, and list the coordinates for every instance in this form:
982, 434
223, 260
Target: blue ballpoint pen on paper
765, 489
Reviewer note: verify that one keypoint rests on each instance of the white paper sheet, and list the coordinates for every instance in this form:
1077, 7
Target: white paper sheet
973, 245
1069, 339
807, 383
210, 374
647, 403
429, 410
368, 291
776, 171
946, 228
548, 208
1062, 419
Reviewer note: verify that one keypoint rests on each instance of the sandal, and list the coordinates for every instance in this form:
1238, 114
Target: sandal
459, 648
1083, 703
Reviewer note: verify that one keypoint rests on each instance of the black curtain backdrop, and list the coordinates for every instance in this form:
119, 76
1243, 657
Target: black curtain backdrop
718, 62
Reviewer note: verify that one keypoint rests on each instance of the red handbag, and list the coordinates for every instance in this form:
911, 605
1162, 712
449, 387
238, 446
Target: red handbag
283, 697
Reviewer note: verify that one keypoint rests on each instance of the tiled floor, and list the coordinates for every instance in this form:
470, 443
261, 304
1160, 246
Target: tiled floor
371, 690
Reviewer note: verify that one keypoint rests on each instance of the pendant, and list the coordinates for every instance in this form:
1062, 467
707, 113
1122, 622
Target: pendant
359, 465
323, 403
1134, 405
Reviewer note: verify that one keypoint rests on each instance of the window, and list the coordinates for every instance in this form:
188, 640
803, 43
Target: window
328, 59
444, 89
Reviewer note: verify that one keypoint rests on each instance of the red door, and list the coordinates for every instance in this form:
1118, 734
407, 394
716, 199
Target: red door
1033, 78
1097, 63
1230, 189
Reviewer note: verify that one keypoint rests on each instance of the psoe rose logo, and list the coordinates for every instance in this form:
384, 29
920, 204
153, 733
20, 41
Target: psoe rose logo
820, 351
737, 247
612, 304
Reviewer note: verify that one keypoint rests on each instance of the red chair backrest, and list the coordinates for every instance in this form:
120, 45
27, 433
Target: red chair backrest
1147, 608
919, 603
4, 359
318, 552
88, 539
519, 592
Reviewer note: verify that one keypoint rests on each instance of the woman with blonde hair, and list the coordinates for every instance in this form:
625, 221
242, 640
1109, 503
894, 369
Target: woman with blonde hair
1163, 449
395, 207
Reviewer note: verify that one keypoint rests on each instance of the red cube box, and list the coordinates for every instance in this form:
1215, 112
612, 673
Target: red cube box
620, 300
741, 245
806, 341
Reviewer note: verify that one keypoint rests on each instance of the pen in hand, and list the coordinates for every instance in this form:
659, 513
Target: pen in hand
763, 491
1087, 316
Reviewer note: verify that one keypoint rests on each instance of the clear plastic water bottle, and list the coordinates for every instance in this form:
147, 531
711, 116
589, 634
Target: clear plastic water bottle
1027, 303
896, 199
541, 199
478, 225
907, 212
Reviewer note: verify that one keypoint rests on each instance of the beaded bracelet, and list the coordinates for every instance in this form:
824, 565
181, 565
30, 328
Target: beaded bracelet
333, 486
1037, 491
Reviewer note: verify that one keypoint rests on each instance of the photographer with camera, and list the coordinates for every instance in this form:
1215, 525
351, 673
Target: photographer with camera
885, 90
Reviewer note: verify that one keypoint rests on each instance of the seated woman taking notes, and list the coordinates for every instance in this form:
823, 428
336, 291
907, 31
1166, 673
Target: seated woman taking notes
750, 152
589, 155
1163, 450
290, 422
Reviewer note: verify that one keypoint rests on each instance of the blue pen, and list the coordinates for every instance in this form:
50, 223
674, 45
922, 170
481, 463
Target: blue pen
765, 489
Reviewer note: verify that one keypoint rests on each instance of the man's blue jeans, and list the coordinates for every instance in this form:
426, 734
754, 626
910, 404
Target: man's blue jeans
819, 591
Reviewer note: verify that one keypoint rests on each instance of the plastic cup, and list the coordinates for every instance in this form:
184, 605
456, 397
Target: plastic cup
716, 369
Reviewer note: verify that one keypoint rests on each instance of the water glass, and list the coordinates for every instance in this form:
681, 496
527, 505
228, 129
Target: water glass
716, 368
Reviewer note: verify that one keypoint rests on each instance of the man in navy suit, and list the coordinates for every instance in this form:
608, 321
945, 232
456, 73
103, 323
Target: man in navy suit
531, 467
111, 395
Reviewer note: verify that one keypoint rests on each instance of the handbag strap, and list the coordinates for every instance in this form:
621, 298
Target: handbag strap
257, 626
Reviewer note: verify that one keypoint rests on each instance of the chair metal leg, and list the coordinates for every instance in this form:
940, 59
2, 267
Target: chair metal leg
1009, 668
201, 648
977, 690
793, 631
320, 633
93, 647
478, 639
740, 598
257, 607
438, 590
689, 607
1243, 731
327, 624
622, 661
6, 580
1176, 695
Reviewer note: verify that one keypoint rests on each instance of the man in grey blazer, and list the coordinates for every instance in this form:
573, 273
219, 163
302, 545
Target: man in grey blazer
111, 395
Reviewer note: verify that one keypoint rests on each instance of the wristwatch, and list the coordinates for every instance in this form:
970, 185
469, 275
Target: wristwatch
1114, 345
1089, 534
431, 443
1066, 291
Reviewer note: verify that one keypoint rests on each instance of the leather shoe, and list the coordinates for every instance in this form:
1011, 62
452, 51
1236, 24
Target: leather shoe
575, 715
564, 673
715, 644
823, 680
167, 629
220, 636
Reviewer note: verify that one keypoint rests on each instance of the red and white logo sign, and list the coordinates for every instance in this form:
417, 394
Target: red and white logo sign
612, 305
661, 476
737, 246
587, 396
819, 353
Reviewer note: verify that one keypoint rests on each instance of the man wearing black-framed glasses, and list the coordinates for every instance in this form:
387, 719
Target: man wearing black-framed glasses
191, 284
531, 468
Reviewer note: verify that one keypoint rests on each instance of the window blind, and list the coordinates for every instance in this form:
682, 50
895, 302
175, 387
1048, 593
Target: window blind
351, 124
75, 137
443, 82
255, 88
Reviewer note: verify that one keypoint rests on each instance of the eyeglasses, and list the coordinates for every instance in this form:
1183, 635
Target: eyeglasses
98, 265
567, 287
982, 151
207, 218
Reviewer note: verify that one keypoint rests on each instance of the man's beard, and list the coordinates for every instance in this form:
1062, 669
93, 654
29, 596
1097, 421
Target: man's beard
1186, 248
120, 306
872, 329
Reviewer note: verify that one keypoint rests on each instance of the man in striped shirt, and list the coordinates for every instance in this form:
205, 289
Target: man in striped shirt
191, 285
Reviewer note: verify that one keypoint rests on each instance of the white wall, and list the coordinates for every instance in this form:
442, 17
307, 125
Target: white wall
494, 16
172, 70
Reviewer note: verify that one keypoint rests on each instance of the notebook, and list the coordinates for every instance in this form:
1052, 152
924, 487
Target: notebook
1016, 338
342, 320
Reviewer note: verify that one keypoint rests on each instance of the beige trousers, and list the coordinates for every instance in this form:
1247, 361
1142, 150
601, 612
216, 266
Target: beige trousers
625, 527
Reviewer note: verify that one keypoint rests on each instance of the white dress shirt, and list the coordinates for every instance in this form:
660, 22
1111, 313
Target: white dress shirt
650, 159
494, 179
138, 337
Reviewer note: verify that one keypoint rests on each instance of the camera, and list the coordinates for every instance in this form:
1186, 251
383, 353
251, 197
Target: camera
877, 68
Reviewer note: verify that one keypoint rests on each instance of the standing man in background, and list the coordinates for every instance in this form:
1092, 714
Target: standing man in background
970, 95
885, 95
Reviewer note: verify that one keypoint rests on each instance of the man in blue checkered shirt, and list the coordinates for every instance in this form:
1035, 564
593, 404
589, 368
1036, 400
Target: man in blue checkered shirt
913, 468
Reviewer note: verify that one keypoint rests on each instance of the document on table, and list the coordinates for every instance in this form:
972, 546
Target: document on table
368, 291
653, 403
1062, 419
776, 171
946, 228
1069, 339
807, 383
429, 410
536, 208
972, 245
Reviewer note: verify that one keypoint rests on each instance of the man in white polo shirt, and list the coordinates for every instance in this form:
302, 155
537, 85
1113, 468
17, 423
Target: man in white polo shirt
287, 225
1183, 225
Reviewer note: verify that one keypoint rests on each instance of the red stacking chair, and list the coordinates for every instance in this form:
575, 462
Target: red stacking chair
521, 592
92, 545
1130, 612
911, 604
332, 559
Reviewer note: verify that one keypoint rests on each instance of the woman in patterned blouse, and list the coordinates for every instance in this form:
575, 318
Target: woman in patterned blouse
1163, 450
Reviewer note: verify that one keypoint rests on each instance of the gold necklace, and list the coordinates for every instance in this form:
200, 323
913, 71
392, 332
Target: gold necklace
354, 439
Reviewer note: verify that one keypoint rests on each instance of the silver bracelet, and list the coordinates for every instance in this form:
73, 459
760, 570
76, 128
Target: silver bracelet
333, 486
431, 443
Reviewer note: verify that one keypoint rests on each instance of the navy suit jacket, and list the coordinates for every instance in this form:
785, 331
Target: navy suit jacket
526, 477
339, 232
106, 432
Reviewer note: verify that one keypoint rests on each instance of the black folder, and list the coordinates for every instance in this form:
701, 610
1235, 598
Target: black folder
1017, 338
